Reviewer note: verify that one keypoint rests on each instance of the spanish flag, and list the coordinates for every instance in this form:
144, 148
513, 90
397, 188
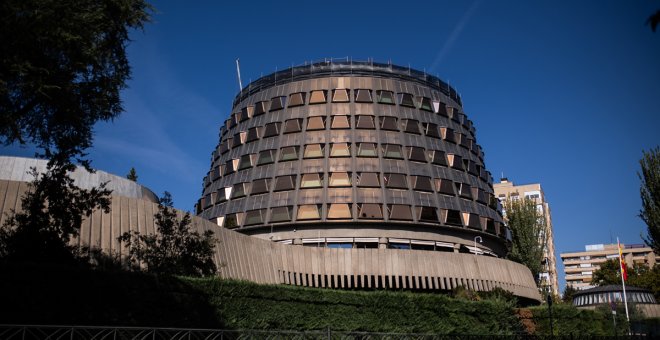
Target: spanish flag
622, 261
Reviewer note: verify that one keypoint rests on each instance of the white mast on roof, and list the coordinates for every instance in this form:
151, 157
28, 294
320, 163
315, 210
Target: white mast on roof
238, 71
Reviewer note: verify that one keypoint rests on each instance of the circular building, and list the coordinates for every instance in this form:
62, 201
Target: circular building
643, 299
354, 155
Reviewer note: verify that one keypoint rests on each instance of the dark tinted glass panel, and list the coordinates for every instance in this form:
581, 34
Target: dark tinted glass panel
292, 125
416, 154
260, 186
223, 147
289, 153
266, 157
231, 221
246, 162
237, 139
411, 126
253, 217
259, 108
454, 218
464, 190
406, 99
284, 183
425, 104
445, 186
280, 214
427, 214
340, 96
277, 103
272, 129
340, 122
422, 183
297, 99
367, 150
448, 134
365, 122
392, 151
316, 123
253, 134
490, 226
455, 161
370, 211
400, 212
239, 190
481, 196
368, 179
395, 181
385, 97
474, 221
438, 158
338, 211
442, 109
318, 97
472, 168
431, 130
388, 123
363, 96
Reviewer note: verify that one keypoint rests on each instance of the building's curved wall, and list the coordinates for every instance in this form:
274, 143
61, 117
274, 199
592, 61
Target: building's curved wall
330, 155
250, 258
20, 169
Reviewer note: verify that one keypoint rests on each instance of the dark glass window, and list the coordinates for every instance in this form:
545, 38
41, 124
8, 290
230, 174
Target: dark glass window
367, 150
395, 181
431, 130
253, 134
444, 186
309, 212
223, 146
237, 139
363, 96
490, 226
438, 157
311, 181
370, 211
318, 97
260, 108
385, 97
260, 186
283, 183
406, 99
297, 99
400, 212
465, 141
416, 154
411, 126
231, 166
340, 122
340, 179
239, 190
277, 103
315, 123
272, 129
243, 115
472, 168
388, 123
455, 161
253, 217
426, 214
448, 134
339, 211
314, 151
474, 221
454, 218
233, 120
364, 122
464, 190
280, 214
231, 221
292, 125
442, 109
266, 157
340, 150
368, 180
425, 104
421, 183
482, 196
392, 151
340, 96
245, 162
288, 153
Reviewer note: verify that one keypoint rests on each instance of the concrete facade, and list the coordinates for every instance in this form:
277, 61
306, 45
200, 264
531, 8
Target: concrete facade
549, 277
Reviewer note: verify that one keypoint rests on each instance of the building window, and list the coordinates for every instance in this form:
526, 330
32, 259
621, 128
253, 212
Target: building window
474, 221
441, 108
438, 157
315, 123
367, 150
363, 96
288, 153
314, 180
277, 103
340, 150
395, 181
318, 97
448, 134
339, 211
444, 186
340, 96
232, 221
314, 151
284, 183
421, 183
309, 212
266, 157
245, 162
272, 129
388, 123
455, 161
340, 179
260, 186
259, 108
292, 125
385, 97
426, 214
239, 190
431, 130
399, 212
364, 122
231, 166
416, 154
424, 103
392, 151
454, 218
239, 138
253, 217
340, 122
368, 180
253, 134
297, 99
280, 214
370, 211
464, 190
411, 126
406, 99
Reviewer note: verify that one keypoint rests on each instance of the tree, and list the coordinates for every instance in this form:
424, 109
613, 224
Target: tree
609, 273
132, 175
650, 193
569, 291
175, 249
526, 224
639, 275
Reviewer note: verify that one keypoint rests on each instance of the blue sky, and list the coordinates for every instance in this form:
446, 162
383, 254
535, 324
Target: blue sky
562, 93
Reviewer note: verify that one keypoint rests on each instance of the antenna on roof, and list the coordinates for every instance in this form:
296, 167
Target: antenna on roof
238, 71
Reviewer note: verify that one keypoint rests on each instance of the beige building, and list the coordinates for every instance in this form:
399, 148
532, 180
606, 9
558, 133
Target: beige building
579, 266
548, 278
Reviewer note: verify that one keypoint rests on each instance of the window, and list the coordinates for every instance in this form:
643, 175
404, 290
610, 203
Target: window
367, 150
438, 157
280, 214
259, 108
232, 221
253, 217
370, 211
421, 183
395, 181
406, 99
464, 190
431, 130
340, 179
314, 151
309, 212
473, 221
318, 97
272, 129
411, 126
368, 180
245, 162
277, 103
392, 151
253, 134
444, 186
400, 212
288, 153
243, 115
224, 194
340, 122
448, 134
455, 161
424, 103
292, 125
266, 157
224, 147
363, 96
239, 190
340, 150
315, 123
364, 122
454, 218
441, 108
260, 186
283, 183
339, 211
231, 166
239, 138
426, 214
297, 99
340, 96
385, 97
416, 154
388, 123
490, 226
311, 181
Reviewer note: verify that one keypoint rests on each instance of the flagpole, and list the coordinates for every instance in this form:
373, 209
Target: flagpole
623, 282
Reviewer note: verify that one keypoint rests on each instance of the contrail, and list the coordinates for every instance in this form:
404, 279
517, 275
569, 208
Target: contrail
454, 35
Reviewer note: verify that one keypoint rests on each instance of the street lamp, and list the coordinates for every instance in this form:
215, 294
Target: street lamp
475, 243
